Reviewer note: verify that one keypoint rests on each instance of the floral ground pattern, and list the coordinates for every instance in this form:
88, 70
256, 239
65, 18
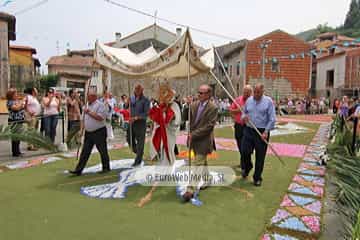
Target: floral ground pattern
299, 214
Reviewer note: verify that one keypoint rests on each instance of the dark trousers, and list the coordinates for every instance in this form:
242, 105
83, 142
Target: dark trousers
73, 125
15, 148
15, 144
50, 124
239, 132
138, 139
97, 138
250, 141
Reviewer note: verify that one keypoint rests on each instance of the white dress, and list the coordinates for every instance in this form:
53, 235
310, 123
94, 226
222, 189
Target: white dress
171, 131
109, 129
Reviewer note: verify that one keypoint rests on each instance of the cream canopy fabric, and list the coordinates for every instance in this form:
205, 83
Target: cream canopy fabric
170, 63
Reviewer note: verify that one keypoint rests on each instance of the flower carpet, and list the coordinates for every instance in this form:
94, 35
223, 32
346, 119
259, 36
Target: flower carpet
283, 149
299, 214
316, 118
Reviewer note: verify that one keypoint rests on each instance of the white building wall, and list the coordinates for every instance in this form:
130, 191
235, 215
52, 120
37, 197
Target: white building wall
152, 32
337, 64
96, 80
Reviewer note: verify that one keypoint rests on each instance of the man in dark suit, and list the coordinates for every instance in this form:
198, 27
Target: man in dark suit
203, 117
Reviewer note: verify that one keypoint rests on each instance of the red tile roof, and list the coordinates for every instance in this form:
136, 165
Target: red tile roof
74, 60
75, 75
24, 48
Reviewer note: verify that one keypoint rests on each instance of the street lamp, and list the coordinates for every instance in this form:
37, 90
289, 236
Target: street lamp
264, 44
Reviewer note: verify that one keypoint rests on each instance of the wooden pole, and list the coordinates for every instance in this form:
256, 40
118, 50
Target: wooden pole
250, 122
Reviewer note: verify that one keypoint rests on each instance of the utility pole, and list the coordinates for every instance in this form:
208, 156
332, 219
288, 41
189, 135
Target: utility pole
264, 45
57, 47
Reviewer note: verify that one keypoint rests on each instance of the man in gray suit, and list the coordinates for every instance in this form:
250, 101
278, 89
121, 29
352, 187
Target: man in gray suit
203, 117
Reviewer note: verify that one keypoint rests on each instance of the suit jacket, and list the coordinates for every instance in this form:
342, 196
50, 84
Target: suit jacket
202, 132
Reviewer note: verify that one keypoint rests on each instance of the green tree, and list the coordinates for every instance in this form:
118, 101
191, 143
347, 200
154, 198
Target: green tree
352, 19
47, 81
323, 28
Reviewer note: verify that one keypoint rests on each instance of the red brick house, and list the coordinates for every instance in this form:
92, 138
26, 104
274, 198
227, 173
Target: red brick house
287, 64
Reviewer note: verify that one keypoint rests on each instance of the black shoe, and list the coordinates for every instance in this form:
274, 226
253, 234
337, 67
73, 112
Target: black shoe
18, 155
257, 183
135, 164
77, 173
244, 174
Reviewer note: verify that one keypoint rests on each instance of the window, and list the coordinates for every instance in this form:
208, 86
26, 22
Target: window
330, 78
230, 70
238, 68
275, 67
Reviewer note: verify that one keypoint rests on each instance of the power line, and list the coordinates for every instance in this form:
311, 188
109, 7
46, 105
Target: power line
168, 21
38, 4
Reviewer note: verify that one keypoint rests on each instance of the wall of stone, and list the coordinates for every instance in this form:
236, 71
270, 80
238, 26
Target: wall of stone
280, 88
4, 58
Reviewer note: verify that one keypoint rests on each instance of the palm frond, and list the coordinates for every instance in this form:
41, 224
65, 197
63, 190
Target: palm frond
73, 138
346, 171
356, 229
19, 133
345, 167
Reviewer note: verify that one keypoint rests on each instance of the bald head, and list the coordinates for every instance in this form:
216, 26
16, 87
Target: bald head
247, 91
258, 91
138, 90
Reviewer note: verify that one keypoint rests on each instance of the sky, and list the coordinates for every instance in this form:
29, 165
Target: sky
57, 25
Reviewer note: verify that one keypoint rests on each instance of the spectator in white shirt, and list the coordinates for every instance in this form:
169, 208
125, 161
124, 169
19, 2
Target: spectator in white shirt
32, 111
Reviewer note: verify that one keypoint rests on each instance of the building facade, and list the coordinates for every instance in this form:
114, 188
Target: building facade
281, 62
233, 57
335, 69
76, 69
7, 33
338, 74
24, 68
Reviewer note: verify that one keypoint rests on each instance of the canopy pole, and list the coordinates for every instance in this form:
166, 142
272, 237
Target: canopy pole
250, 122
189, 110
223, 68
82, 130
130, 121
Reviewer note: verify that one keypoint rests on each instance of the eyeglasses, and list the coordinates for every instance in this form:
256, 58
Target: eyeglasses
201, 93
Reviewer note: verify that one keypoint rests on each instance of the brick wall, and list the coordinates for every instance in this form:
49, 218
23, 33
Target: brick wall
296, 71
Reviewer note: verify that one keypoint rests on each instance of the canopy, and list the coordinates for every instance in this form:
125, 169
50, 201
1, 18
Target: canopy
172, 62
